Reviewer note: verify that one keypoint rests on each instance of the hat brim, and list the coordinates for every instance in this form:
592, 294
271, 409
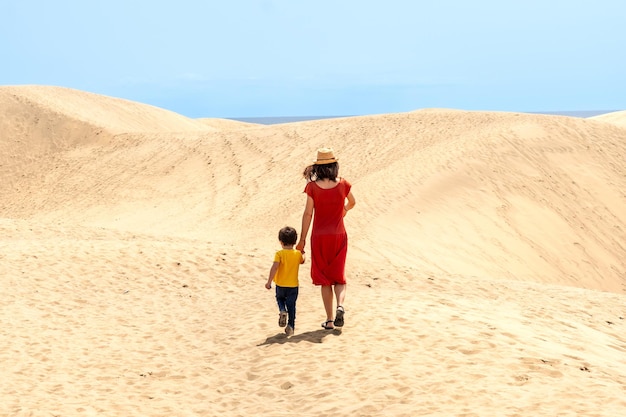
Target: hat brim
325, 161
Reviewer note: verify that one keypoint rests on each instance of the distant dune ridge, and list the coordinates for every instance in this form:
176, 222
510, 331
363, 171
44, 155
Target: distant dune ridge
618, 118
486, 269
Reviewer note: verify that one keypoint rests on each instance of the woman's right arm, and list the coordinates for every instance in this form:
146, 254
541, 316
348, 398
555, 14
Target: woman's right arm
351, 203
306, 222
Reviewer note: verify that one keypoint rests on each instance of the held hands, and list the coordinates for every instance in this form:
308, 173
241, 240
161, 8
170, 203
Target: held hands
300, 246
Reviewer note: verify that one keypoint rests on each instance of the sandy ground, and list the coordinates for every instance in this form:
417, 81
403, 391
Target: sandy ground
486, 270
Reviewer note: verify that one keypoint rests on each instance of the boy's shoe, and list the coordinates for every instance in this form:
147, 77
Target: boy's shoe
289, 330
282, 319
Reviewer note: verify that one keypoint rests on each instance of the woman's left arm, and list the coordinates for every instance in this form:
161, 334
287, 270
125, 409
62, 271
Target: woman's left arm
306, 222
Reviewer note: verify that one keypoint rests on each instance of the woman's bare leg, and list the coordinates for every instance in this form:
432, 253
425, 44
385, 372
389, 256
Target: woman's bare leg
327, 298
340, 294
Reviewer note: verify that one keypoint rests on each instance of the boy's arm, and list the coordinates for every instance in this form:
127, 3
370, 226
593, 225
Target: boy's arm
273, 270
302, 258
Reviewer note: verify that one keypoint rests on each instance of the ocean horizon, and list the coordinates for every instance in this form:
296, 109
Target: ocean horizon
292, 119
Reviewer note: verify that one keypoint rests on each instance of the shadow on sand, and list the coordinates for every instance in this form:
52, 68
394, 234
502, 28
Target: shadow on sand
315, 336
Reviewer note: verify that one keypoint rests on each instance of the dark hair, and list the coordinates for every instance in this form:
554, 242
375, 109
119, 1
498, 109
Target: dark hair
288, 235
322, 172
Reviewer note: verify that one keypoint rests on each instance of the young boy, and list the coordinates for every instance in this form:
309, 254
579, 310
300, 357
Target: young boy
284, 273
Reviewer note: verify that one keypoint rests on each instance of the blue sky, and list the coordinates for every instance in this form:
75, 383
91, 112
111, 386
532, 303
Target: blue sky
265, 58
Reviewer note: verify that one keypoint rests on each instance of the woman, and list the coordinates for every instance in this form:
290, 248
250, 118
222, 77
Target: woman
328, 200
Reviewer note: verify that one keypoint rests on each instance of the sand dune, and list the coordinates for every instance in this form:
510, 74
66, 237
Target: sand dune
226, 124
618, 118
44, 105
486, 266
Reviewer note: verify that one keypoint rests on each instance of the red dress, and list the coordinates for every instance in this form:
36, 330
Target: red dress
329, 241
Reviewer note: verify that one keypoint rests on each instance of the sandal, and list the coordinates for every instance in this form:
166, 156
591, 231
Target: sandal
339, 316
326, 326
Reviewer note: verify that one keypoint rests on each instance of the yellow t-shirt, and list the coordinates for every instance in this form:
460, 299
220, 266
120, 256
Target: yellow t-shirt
288, 266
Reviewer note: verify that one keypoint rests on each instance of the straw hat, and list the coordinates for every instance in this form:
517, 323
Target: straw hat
325, 156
